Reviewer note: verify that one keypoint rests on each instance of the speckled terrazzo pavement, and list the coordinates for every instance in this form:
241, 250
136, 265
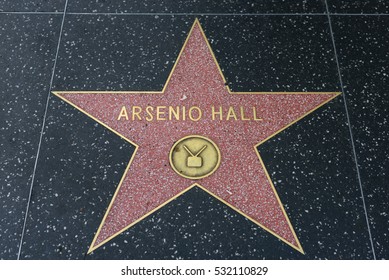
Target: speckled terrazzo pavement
329, 169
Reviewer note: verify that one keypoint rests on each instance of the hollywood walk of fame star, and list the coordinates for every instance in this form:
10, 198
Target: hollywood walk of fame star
240, 181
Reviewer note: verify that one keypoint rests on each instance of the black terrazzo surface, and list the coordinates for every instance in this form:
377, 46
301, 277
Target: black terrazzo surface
32, 6
198, 6
358, 7
273, 53
313, 170
105, 52
78, 172
365, 72
27, 52
312, 163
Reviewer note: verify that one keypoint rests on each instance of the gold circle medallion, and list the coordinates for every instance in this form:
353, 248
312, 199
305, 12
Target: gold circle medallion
194, 157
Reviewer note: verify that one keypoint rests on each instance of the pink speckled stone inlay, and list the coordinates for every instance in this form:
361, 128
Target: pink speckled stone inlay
241, 180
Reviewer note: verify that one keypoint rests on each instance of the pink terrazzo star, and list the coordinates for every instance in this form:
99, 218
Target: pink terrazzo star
241, 181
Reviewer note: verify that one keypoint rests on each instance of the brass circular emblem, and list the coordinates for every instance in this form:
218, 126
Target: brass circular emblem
194, 157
